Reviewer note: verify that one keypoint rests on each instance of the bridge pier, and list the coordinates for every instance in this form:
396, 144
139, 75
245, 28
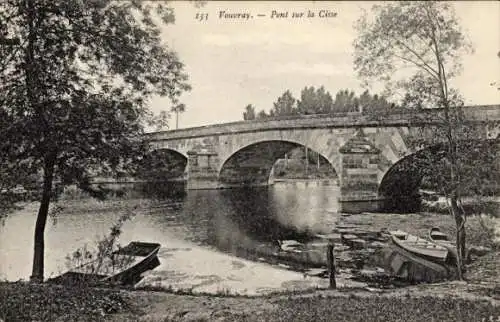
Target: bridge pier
202, 169
359, 176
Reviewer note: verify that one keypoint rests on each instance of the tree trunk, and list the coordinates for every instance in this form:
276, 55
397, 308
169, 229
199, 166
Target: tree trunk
460, 236
307, 160
39, 245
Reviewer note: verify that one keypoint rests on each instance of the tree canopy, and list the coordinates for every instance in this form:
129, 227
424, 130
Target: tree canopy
412, 46
315, 101
76, 88
249, 113
285, 105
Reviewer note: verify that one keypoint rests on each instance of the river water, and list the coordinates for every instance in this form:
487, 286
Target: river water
224, 220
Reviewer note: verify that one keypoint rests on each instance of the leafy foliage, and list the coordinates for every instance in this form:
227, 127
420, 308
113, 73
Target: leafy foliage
76, 88
83, 83
249, 113
315, 101
285, 105
161, 165
402, 40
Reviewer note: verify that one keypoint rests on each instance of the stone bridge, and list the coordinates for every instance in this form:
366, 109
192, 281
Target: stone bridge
361, 149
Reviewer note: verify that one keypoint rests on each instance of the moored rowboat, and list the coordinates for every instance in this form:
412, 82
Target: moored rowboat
124, 265
419, 246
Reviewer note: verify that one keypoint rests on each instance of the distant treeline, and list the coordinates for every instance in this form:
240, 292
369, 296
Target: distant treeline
319, 101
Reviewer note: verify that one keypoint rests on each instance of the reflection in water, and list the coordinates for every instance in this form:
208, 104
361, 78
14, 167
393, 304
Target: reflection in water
304, 205
236, 217
228, 220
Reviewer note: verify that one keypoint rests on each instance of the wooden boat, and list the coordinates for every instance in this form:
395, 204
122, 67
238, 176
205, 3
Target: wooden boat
436, 235
419, 246
440, 238
121, 267
412, 267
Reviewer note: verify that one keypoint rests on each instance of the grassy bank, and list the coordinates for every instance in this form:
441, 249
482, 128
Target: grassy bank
356, 308
22, 301
25, 302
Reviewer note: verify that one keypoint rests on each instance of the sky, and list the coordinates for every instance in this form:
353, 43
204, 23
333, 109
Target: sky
234, 61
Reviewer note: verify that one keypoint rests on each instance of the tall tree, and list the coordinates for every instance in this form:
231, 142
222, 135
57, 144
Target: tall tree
375, 105
178, 108
262, 115
76, 88
285, 105
314, 101
249, 113
345, 101
415, 48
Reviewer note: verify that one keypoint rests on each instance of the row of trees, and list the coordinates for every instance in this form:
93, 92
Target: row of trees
320, 101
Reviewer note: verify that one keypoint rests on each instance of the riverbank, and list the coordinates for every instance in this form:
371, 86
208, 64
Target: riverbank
201, 283
452, 301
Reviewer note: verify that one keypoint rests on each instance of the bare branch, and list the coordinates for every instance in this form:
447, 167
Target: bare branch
422, 66
418, 56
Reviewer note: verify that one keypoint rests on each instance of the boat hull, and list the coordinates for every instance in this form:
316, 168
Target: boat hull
420, 247
123, 266
133, 272
412, 267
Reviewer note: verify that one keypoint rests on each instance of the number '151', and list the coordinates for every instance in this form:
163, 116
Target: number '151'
201, 16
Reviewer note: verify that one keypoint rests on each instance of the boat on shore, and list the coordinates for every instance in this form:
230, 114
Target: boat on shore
436, 235
411, 267
419, 246
440, 238
417, 259
122, 266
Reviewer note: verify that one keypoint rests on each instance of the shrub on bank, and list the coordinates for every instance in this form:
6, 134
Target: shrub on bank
483, 230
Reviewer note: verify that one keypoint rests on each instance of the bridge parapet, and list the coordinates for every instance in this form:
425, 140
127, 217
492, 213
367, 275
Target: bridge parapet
483, 113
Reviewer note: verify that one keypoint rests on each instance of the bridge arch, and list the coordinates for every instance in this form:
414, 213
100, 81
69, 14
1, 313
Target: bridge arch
401, 182
163, 164
252, 164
